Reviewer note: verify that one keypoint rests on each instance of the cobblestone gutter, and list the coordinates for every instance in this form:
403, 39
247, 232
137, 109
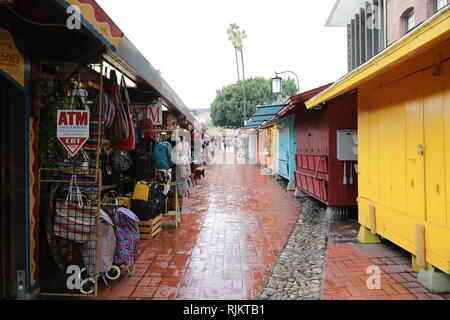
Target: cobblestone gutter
299, 271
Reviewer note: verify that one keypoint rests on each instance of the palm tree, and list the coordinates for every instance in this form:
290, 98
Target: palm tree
235, 35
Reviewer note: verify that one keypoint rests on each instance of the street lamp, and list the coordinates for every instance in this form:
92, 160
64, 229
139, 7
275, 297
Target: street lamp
277, 84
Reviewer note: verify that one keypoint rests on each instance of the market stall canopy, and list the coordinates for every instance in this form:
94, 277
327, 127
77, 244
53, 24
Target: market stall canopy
47, 36
294, 103
299, 100
433, 31
263, 114
121, 51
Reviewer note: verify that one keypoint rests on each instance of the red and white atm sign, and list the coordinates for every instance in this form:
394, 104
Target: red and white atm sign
73, 129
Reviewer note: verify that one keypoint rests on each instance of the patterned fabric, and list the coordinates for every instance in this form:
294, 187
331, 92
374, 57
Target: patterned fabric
107, 245
183, 185
127, 236
182, 181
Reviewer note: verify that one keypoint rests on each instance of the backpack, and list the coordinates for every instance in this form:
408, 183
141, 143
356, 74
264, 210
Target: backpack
121, 161
146, 130
150, 208
141, 191
162, 156
143, 165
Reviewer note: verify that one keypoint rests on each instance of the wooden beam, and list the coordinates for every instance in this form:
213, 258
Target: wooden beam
420, 245
373, 221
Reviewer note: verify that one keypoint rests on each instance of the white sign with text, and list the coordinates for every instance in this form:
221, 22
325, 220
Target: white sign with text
73, 129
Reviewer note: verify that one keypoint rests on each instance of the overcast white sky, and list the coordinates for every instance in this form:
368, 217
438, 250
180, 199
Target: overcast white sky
187, 41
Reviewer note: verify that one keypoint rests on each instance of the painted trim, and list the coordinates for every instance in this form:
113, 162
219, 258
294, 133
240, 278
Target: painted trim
102, 29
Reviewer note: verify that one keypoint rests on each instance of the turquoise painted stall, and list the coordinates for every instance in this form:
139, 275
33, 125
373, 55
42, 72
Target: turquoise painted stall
286, 149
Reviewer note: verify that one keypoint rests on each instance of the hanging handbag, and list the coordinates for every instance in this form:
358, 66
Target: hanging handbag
137, 134
121, 161
85, 172
119, 130
146, 130
130, 143
109, 179
108, 110
73, 219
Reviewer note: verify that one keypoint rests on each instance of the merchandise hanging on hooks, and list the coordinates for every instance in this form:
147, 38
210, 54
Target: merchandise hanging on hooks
70, 186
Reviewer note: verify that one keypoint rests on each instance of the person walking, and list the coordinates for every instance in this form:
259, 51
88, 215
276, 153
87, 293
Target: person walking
235, 144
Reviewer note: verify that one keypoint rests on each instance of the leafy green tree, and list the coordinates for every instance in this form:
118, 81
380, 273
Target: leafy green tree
209, 123
228, 107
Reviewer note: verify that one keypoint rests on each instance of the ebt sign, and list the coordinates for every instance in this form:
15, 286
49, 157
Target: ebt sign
73, 129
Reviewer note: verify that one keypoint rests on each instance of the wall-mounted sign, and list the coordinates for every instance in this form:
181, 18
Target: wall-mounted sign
11, 61
156, 114
73, 129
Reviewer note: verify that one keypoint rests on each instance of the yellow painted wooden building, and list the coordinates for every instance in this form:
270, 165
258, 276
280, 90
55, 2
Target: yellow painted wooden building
404, 141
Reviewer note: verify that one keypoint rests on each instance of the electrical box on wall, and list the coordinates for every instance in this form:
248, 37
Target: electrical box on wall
347, 145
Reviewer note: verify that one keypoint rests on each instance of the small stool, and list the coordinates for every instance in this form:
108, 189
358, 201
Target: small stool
199, 172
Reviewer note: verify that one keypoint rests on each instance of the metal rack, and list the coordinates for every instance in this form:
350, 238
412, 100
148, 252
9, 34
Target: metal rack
59, 255
175, 212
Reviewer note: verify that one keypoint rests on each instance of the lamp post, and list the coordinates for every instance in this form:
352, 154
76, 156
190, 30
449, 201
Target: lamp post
277, 82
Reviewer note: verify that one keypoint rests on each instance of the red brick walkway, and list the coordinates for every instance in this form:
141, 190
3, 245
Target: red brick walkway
347, 263
233, 227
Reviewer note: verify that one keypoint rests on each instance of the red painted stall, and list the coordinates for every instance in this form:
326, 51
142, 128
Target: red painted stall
318, 172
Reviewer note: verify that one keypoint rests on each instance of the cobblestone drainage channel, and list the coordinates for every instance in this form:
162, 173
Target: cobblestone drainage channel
300, 270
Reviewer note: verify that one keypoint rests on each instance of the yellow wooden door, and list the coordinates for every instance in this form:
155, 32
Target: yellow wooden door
374, 173
398, 146
415, 175
434, 153
364, 143
385, 146
445, 72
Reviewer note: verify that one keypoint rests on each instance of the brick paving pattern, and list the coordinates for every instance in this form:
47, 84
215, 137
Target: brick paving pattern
347, 263
234, 225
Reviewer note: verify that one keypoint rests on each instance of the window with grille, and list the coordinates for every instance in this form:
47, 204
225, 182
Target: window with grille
409, 20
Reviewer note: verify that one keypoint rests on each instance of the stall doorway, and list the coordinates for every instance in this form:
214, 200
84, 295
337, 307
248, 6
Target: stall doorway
12, 192
283, 152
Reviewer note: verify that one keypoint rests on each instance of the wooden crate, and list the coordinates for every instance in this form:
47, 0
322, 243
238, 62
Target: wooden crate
150, 229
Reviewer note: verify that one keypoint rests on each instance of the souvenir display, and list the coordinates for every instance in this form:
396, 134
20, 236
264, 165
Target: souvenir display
93, 217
